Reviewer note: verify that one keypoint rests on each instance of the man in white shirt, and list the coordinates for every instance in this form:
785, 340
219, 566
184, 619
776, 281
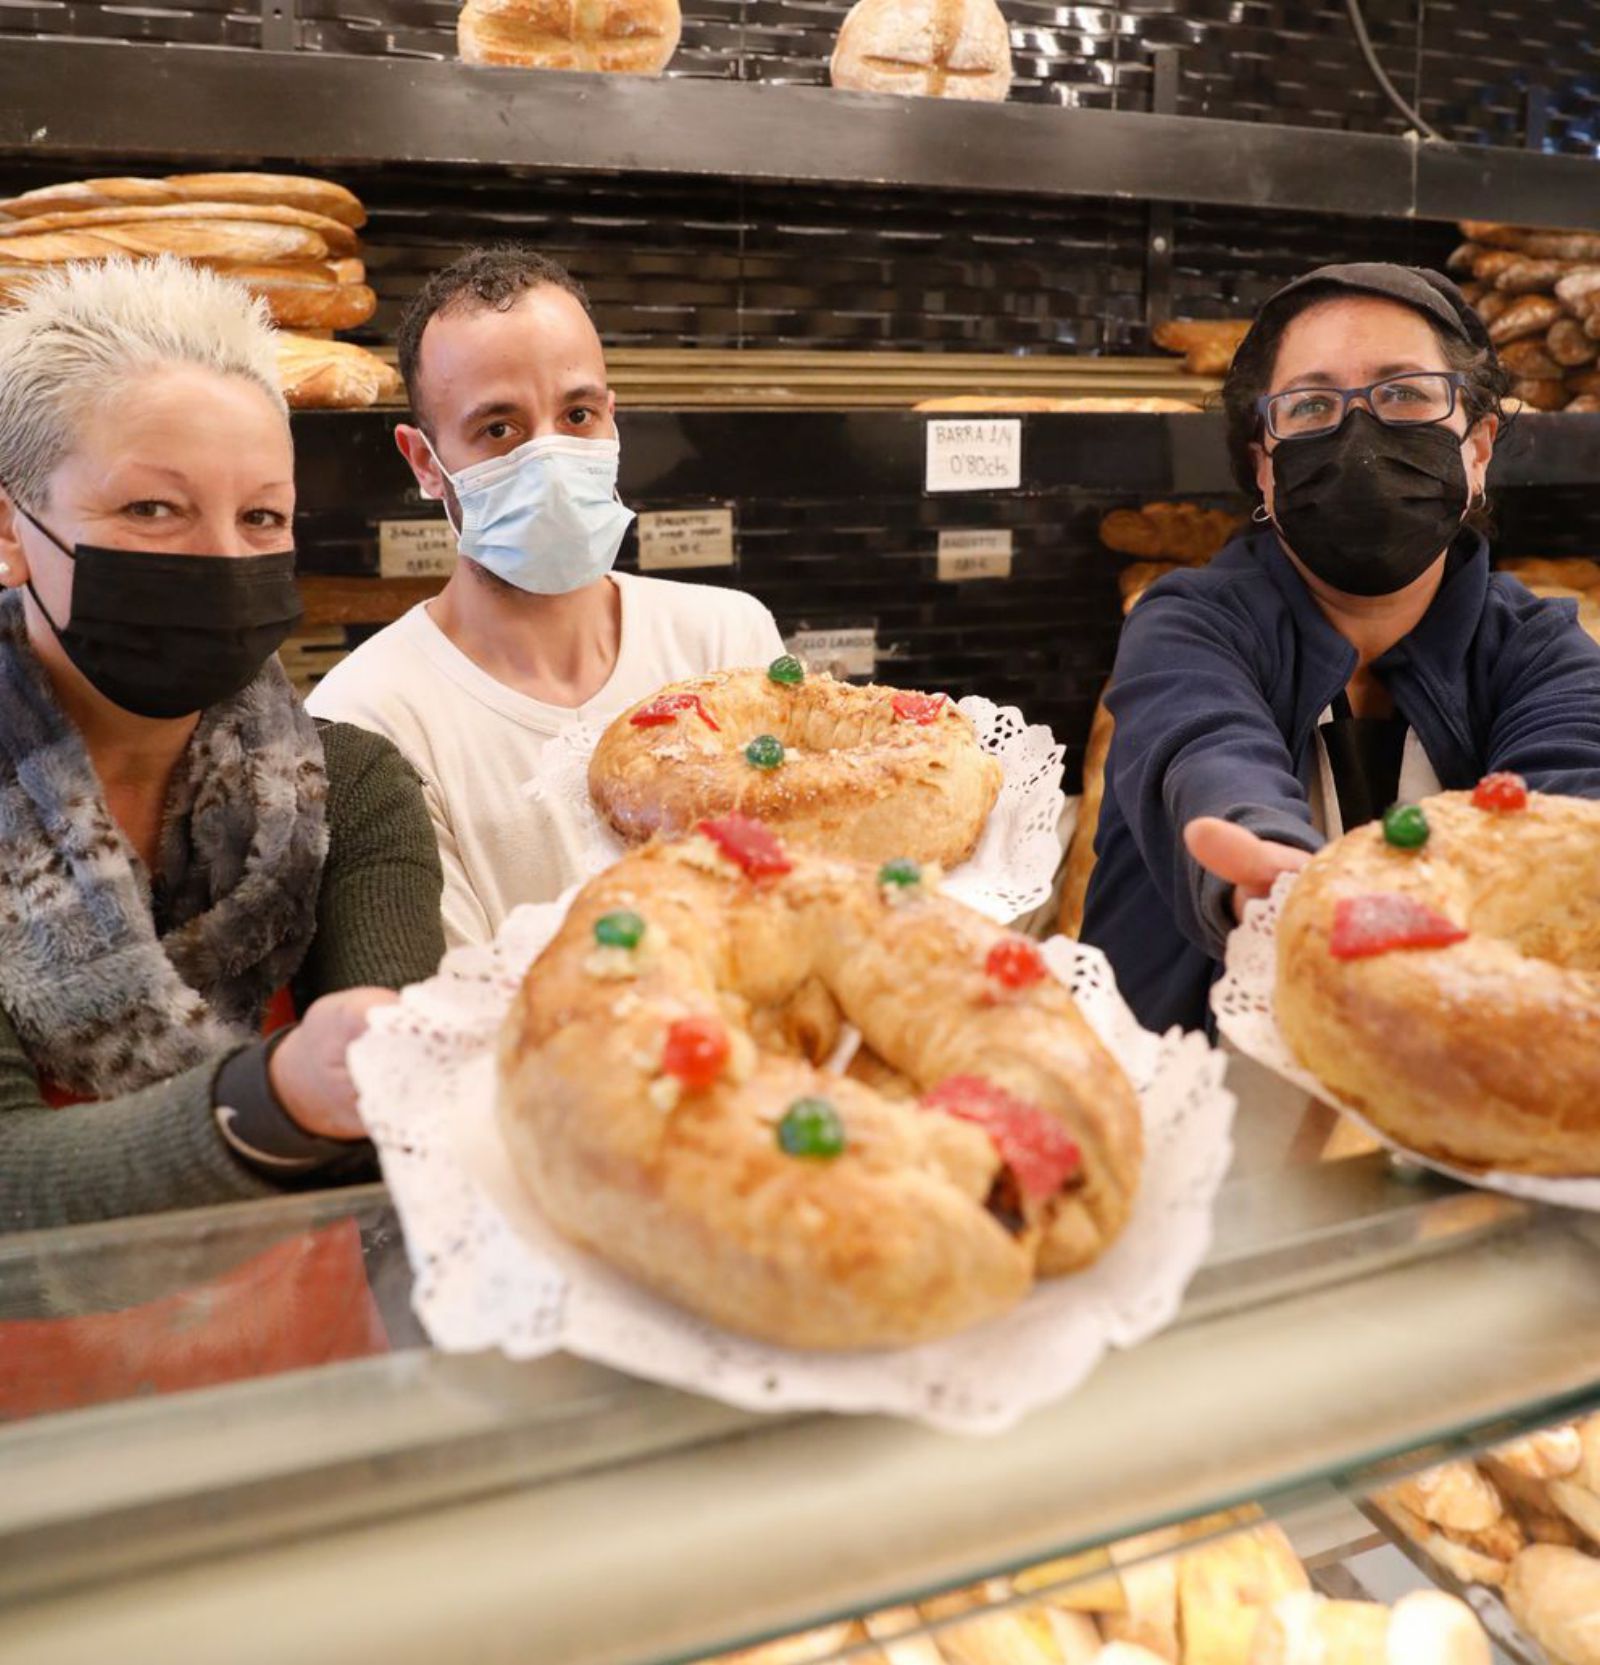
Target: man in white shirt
534, 633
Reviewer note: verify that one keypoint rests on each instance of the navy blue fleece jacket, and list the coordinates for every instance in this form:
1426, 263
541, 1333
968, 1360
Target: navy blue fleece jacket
1220, 678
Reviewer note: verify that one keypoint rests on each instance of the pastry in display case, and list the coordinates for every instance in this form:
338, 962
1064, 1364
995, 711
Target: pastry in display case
869, 772
1207, 344
609, 37
925, 48
982, 1137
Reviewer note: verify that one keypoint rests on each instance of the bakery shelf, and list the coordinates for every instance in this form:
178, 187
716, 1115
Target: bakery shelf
1346, 1314
347, 462
323, 109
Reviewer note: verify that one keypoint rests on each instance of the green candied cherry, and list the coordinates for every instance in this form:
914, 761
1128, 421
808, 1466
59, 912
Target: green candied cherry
1405, 827
623, 929
811, 1127
902, 873
764, 752
786, 668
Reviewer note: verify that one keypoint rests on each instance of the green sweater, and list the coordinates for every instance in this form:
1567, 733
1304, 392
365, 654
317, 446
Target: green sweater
159, 1148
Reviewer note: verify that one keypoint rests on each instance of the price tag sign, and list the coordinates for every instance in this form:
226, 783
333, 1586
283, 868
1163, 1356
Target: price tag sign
850, 652
416, 549
671, 538
964, 555
974, 455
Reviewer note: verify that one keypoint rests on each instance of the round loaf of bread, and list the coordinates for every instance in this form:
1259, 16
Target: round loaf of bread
613, 37
869, 773
931, 48
984, 1137
1482, 1051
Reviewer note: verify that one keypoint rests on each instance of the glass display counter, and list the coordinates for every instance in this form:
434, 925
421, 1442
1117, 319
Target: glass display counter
227, 1436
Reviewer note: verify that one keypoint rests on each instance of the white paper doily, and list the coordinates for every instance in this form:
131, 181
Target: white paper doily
1009, 874
490, 1273
1242, 1001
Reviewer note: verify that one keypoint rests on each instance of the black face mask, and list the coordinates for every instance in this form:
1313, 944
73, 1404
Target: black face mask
168, 635
1368, 507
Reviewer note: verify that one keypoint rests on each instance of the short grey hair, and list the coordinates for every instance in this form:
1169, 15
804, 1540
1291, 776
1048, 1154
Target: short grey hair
77, 333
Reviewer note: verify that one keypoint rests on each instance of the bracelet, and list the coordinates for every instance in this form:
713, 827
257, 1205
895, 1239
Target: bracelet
254, 1123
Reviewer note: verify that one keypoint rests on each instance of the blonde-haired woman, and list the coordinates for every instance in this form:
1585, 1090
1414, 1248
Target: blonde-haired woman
190, 861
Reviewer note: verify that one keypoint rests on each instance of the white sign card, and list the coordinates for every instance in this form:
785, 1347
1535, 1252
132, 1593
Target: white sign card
670, 538
847, 652
967, 454
416, 549
964, 555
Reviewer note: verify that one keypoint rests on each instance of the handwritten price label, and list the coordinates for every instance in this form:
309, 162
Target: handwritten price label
974, 456
685, 538
416, 549
964, 555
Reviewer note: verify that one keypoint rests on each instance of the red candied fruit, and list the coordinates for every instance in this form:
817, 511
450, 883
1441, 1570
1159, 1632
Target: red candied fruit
1031, 1142
696, 1052
918, 708
667, 708
1014, 963
749, 844
1502, 794
1368, 925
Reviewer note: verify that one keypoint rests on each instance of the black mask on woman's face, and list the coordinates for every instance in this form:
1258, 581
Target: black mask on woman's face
169, 635
1369, 507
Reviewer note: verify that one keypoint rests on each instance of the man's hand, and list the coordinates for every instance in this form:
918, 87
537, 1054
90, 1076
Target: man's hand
308, 1071
1250, 864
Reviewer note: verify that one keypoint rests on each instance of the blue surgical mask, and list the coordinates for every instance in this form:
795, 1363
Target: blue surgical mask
545, 517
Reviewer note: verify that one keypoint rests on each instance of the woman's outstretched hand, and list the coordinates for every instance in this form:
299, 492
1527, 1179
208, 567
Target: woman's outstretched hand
308, 1071
1250, 864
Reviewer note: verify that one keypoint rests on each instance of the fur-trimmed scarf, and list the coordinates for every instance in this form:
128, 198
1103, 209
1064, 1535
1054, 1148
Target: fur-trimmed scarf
116, 978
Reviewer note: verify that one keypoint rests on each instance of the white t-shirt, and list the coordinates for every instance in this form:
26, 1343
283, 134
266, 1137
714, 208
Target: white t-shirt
476, 743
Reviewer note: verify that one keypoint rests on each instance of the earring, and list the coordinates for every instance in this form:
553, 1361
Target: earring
1261, 514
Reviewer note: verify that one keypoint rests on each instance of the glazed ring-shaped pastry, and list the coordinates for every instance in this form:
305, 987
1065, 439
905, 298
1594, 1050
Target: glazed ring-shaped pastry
1450, 989
663, 1093
869, 773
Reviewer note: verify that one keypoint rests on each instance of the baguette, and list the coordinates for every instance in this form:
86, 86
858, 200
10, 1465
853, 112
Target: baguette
1569, 344
315, 196
1554, 1594
340, 239
1493, 233
1572, 246
1584, 404
1462, 257
1542, 395
1531, 277
242, 241
332, 375
314, 306
1492, 305
1530, 359
1488, 266
1527, 315
1580, 281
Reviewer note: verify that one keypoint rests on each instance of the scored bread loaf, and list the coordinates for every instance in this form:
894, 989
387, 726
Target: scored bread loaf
612, 37
339, 238
928, 48
332, 375
301, 304
315, 196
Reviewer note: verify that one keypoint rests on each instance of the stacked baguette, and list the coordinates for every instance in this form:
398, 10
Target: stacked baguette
1538, 293
1523, 1519
289, 239
1180, 1596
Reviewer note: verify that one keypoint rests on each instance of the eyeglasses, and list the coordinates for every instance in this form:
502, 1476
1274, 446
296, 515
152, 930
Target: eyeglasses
1411, 400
